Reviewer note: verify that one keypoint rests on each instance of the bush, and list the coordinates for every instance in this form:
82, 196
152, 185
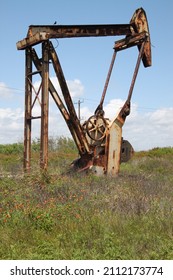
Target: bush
16, 148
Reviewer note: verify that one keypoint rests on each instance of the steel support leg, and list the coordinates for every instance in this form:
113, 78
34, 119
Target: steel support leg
28, 109
44, 106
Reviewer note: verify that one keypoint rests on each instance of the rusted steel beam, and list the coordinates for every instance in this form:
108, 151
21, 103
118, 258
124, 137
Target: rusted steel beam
28, 110
140, 24
44, 107
31, 41
130, 41
83, 147
39, 33
92, 30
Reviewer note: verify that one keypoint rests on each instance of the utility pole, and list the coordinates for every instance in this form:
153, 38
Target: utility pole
79, 103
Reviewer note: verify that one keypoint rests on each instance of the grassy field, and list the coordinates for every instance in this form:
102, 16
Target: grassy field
60, 215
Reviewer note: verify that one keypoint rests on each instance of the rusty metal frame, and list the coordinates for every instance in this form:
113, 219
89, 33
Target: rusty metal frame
39, 33
46, 87
136, 34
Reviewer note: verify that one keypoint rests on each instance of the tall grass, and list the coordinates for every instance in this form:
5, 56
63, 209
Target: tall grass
58, 215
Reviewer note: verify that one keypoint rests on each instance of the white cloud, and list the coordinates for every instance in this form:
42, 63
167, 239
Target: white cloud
85, 113
115, 105
76, 88
149, 130
11, 125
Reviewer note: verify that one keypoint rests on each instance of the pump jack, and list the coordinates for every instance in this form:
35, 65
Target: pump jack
99, 140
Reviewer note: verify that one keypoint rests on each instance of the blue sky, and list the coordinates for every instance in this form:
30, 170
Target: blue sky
85, 64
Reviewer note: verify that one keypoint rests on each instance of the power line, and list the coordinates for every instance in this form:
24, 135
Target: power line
17, 89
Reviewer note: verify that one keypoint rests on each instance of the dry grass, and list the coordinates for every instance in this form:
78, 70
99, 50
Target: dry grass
56, 215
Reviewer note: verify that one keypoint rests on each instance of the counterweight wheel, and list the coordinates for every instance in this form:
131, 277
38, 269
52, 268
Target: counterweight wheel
96, 127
